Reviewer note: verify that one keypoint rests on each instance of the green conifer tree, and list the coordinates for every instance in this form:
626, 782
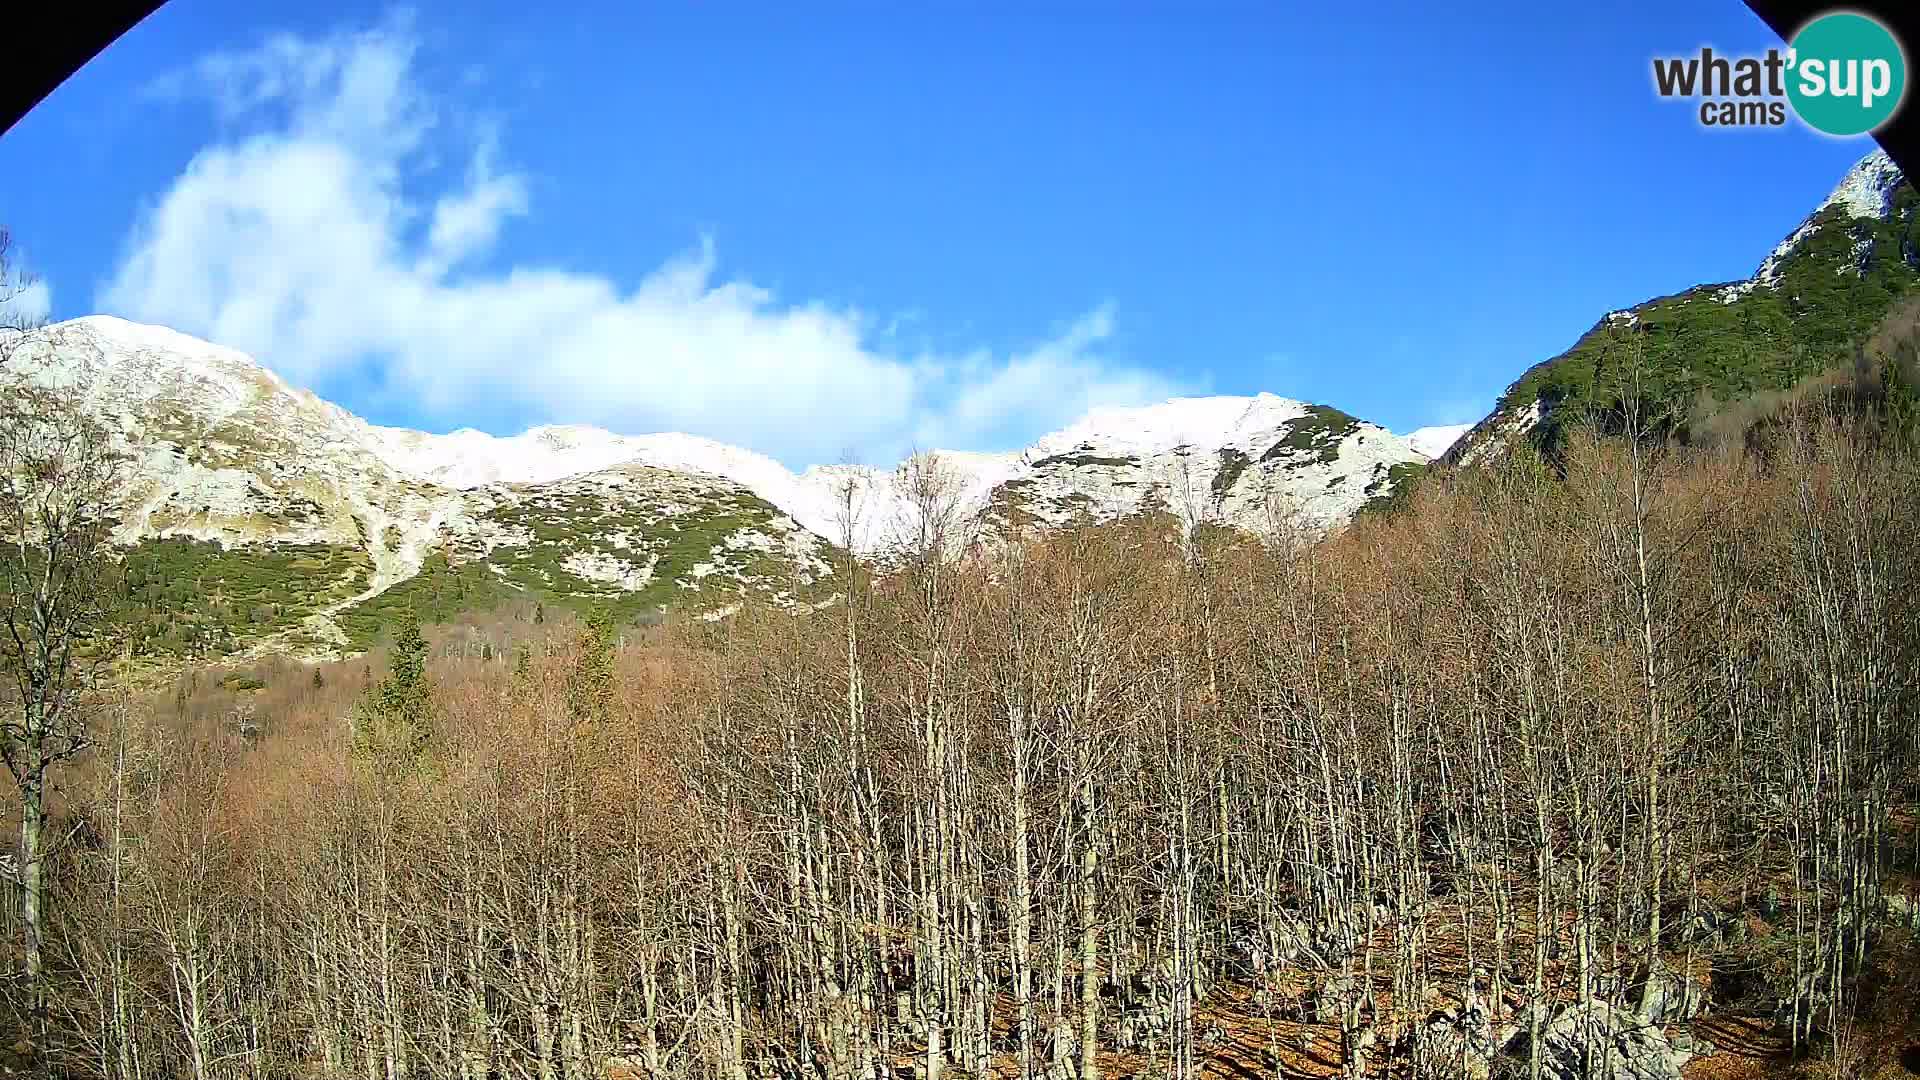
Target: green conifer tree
393, 724
590, 684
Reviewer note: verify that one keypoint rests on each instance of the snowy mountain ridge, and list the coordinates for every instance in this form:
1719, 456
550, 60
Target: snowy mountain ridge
233, 457
155, 379
1139, 441
1090, 462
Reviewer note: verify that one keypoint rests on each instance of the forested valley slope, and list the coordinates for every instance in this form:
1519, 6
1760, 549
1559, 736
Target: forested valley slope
1588, 751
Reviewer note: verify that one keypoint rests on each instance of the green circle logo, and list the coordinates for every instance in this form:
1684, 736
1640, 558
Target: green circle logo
1847, 74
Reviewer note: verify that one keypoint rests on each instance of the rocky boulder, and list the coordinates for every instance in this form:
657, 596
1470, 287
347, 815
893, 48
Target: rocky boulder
1903, 911
1599, 1039
1666, 998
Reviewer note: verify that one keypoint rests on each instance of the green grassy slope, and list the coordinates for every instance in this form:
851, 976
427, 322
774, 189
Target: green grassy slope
1692, 353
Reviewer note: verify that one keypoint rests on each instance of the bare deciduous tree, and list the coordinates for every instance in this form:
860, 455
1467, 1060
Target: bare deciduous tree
62, 479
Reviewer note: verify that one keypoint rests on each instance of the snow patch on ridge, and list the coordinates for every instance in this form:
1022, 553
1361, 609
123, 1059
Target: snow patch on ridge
1438, 439
1866, 191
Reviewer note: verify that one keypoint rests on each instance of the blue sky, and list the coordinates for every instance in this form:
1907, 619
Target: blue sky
844, 229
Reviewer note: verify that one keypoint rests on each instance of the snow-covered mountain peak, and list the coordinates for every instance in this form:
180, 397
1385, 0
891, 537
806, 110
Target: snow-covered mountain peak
103, 347
1195, 423
1867, 189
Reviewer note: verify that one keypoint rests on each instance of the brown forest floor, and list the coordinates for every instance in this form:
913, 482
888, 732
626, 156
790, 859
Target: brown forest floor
1238, 1041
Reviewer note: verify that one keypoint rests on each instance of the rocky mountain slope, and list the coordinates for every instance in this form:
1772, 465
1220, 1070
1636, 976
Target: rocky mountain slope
263, 517
1821, 290
1214, 458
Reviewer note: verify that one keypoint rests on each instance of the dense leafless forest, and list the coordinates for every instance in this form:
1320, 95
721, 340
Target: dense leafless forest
1549, 757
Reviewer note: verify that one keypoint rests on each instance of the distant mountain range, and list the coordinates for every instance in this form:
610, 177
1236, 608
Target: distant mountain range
263, 517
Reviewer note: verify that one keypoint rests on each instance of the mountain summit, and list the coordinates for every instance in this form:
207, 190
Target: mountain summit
1822, 288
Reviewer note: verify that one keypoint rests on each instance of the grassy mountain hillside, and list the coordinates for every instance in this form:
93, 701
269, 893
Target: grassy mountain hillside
639, 541
1806, 311
260, 518
635, 539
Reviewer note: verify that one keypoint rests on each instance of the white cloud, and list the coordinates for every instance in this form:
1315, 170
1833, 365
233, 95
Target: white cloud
468, 222
304, 239
1037, 390
24, 303
25, 298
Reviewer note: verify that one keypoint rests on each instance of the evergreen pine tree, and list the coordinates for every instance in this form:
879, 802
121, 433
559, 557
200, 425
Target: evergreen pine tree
394, 720
590, 685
